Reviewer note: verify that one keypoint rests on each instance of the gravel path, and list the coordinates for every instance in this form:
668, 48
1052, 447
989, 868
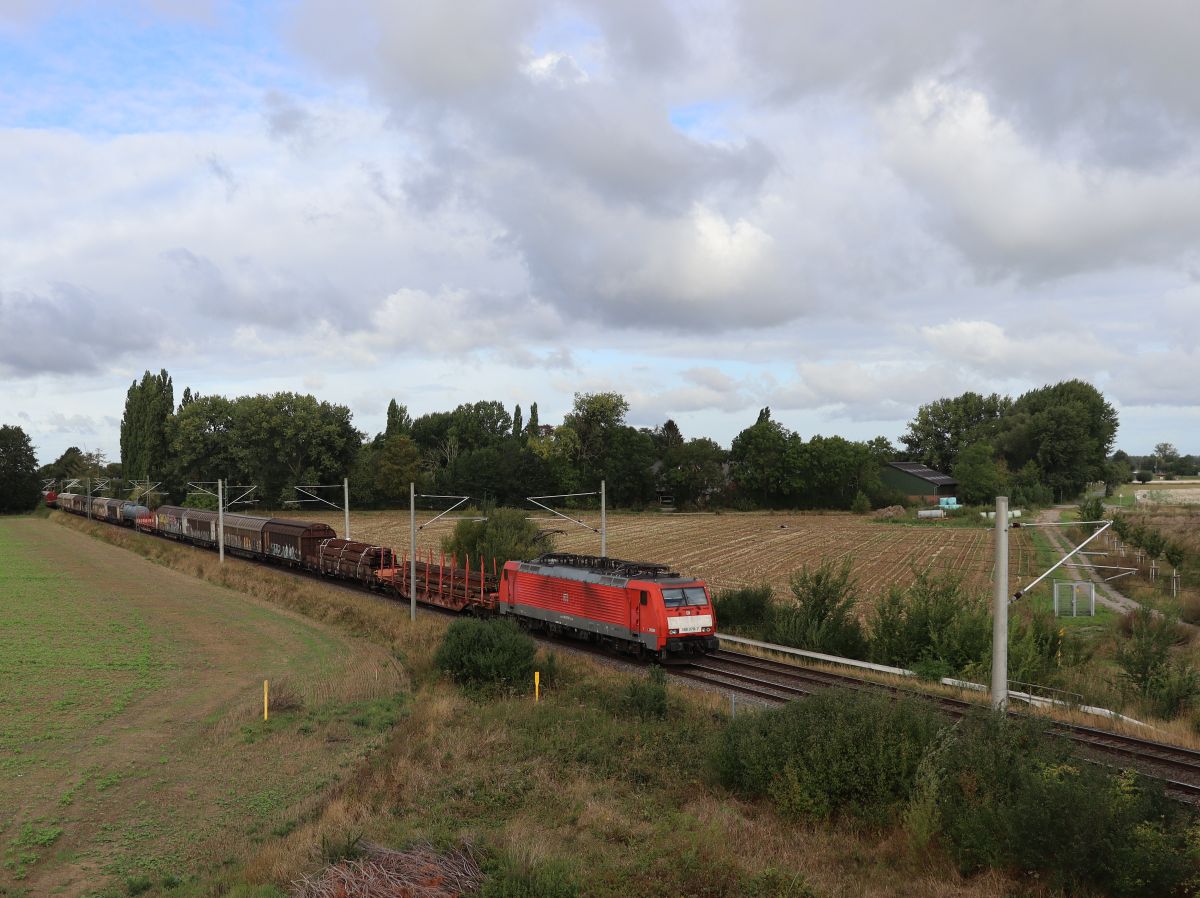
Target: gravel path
1106, 594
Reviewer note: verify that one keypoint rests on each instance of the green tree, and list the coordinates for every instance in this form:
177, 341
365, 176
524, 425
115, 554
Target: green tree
203, 444
1067, 429
19, 487
979, 480
1164, 455
627, 466
943, 429
399, 422
595, 417
506, 534
478, 424
72, 463
667, 439
759, 461
145, 425
397, 464
532, 428
827, 472
696, 473
286, 439
518, 427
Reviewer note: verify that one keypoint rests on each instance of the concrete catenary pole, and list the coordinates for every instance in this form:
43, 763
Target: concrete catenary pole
221, 519
346, 500
412, 552
1000, 609
603, 523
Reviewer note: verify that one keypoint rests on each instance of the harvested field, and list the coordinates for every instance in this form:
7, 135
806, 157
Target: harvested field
740, 549
132, 745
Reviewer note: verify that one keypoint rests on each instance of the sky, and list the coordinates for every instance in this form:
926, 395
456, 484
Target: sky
836, 208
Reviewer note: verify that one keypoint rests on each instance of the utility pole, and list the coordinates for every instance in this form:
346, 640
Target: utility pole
221, 519
1000, 609
89, 498
346, 496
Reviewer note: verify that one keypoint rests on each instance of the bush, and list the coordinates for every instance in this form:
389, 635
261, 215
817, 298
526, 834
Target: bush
1174, 690
647, 697
1143, 656
837, 752
1091, 510
1144, 476
861, 504
824, 617
1002, 794
506, 534
932, 626
487, 654
749, 610
510, 878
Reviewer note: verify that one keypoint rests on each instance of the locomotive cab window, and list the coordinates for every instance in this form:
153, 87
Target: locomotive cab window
687, 595
645, 597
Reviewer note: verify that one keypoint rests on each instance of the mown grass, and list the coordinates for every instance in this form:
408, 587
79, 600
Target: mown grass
129, 750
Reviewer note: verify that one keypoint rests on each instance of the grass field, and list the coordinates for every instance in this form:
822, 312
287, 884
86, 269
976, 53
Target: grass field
132, 746
740, 549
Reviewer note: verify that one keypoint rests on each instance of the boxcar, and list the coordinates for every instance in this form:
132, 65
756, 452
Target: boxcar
294, 542
200, 526
244, 533
169, 520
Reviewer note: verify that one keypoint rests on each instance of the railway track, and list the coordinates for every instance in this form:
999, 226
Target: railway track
774, 682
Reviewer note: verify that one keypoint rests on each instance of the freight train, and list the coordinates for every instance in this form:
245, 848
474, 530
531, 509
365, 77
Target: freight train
644, 609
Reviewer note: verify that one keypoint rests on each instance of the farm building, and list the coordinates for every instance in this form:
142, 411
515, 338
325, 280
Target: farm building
918, 482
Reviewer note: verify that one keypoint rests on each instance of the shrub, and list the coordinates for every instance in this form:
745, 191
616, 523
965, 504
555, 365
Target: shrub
1091, 510
749, 610
1174, 690
1144, 476
837, 752
510, 878
487, 653
861, 504
647, 697
1035, 643
824, 616
506, 534
346, 846
1154, 543
138, 885
1002, 794
932, 626
1143, 656
1175, 554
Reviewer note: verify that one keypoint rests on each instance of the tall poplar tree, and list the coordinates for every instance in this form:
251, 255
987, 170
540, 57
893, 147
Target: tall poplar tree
145, 426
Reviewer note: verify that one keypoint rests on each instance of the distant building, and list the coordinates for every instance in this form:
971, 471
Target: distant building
918, 482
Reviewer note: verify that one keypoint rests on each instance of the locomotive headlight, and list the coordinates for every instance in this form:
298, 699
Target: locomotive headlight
673, 632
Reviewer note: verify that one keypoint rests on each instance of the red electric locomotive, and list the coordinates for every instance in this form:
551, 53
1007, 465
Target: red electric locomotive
645, 609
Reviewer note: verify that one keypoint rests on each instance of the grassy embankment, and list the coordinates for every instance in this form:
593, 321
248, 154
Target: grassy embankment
577, 789
132, 748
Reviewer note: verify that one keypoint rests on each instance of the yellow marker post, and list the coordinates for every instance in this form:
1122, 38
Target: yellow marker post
537, 686
266, 699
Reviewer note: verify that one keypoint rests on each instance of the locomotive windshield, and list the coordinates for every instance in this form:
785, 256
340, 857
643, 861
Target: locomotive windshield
687, 595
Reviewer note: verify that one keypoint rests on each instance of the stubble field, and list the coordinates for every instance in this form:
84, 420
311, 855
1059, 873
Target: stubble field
742, 549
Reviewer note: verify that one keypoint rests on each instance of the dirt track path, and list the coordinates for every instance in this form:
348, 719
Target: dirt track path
1106, 594
131, 740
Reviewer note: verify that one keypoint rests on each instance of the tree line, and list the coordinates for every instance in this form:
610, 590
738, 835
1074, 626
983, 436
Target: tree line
1047, 443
